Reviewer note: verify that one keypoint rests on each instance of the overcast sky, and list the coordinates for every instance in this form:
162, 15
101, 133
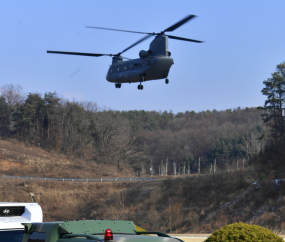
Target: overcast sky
244, 41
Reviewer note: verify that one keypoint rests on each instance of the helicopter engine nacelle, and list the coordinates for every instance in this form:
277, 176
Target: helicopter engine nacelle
144, 53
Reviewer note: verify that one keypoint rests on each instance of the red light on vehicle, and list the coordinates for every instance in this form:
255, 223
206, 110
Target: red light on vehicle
108, 234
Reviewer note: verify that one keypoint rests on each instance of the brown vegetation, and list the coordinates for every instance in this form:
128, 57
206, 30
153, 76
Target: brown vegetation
193, 204
19, 159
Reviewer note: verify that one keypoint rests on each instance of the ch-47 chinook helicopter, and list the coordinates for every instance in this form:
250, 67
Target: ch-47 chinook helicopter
153, 64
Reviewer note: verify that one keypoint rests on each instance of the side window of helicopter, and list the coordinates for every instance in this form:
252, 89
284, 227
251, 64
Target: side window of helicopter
118, 69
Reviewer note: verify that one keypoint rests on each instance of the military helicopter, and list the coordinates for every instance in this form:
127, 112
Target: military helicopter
153, 64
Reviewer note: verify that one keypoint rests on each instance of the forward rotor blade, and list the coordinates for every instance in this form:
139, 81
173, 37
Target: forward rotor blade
178, 24
141, 40
78, 53
180, 38
118, 30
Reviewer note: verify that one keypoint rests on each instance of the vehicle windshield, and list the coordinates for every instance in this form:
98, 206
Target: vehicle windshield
12, 235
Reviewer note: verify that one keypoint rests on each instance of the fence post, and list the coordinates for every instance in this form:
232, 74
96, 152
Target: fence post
199, 167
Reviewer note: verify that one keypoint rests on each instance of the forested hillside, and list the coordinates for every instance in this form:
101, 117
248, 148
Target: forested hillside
163, 141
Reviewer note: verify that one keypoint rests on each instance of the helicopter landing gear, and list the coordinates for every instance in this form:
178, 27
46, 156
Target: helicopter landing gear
118, 85
140, 87
166, 81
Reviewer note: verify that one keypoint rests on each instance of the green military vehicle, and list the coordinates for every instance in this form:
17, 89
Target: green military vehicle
90, 231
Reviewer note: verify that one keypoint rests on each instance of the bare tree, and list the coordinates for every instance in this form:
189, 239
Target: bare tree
254, 143
12, 94
89, 106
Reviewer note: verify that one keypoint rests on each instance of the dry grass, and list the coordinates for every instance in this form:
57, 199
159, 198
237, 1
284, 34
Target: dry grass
194, 204
154, 205
19, 159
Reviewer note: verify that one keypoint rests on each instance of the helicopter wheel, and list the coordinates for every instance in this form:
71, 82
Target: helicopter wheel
118, 85
140, 87
166, 81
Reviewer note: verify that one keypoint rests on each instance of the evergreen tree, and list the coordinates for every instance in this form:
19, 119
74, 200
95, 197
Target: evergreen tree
4, 117
274, 105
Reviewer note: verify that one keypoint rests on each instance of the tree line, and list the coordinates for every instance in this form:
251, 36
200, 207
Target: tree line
148, 141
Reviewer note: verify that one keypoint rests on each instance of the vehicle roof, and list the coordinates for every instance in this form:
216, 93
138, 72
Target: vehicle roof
123, 231
85, 226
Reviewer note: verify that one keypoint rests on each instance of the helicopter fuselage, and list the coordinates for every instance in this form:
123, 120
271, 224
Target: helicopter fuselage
150, 67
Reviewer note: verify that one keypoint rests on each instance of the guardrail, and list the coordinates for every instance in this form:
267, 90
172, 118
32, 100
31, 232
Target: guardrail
83, 179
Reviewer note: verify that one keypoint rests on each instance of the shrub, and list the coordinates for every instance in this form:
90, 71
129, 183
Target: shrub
238, 232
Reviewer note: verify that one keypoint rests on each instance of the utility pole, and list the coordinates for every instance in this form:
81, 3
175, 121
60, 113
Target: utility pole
215, 166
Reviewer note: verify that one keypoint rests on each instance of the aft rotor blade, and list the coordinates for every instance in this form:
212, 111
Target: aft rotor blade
180, 38
77, 53
139, 41
118, 30
178, 24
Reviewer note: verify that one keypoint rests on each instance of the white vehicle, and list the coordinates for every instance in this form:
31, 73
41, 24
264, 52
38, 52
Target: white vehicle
11, 217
